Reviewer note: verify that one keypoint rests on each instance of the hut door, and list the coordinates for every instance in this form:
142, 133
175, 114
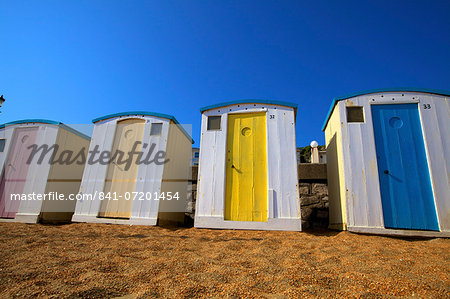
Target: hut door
246, 168
15, 171
405, 184
120, 182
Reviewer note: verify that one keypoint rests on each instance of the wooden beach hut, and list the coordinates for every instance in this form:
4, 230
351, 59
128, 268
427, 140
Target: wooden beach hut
247, 176
388, 155
36, 183
152, 186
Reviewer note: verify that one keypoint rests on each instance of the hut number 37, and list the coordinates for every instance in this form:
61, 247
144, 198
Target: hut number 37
426, 106
272, 116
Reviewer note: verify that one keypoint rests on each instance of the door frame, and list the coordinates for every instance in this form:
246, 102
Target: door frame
102, 208
225, 129
8, 143
427, 154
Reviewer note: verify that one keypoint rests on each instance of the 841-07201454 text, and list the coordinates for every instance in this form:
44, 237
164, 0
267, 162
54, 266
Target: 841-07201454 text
98, 196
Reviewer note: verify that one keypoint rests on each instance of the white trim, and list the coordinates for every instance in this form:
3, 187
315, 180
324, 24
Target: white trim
131, 221
270, 224
428, 159
398, 232
26, 218
393, 102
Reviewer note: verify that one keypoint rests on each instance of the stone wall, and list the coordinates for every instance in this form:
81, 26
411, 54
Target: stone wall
314, 205
190, 207
313, 191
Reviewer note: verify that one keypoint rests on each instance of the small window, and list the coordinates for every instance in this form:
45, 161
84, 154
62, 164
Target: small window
213, 123
196, 154
156, 129
2, 145
355, 114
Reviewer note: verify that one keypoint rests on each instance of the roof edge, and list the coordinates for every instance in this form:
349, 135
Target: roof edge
46, 121
393, 89
147, 113
70, 129
379, 90
248, 101
31, 120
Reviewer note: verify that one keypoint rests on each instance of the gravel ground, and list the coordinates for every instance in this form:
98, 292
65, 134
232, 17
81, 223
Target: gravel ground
97, 260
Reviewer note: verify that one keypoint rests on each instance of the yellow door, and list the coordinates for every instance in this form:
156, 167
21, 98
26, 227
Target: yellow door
246, 168
120, 181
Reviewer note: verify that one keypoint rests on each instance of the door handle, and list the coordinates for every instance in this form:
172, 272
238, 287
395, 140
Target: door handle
232, 166
386, 172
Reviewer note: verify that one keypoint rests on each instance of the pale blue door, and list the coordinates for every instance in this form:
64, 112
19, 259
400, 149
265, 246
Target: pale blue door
405, 184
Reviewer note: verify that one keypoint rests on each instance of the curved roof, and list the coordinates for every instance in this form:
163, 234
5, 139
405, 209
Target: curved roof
146, 113
46, 121
25, 121
365, 92
248, 101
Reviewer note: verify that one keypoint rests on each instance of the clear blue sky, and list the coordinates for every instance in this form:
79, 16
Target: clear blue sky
73, 61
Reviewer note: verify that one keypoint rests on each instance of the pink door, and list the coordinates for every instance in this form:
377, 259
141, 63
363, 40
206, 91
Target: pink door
15, 170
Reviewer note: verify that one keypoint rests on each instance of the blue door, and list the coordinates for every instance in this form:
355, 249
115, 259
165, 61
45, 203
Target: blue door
405, 184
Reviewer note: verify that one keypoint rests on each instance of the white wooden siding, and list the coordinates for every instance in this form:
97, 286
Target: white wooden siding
436, 131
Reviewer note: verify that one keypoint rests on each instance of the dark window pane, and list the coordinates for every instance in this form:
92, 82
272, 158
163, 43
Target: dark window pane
156, 129
2, 145
355, 114
213, 122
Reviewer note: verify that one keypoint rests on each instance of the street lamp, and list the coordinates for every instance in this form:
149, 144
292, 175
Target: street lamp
2, 100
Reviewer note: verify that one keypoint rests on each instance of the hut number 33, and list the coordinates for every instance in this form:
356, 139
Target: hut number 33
426, 106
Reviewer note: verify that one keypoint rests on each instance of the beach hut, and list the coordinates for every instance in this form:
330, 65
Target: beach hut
247, 175
38, 172
143, 175
388, 154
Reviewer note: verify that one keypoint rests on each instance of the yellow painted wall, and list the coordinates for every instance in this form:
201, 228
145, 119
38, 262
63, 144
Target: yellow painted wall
176, 175
64, 179
335, 171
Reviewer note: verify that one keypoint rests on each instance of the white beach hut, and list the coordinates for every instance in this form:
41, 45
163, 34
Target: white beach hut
247, 175
30, 189
152, 186
388, 154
